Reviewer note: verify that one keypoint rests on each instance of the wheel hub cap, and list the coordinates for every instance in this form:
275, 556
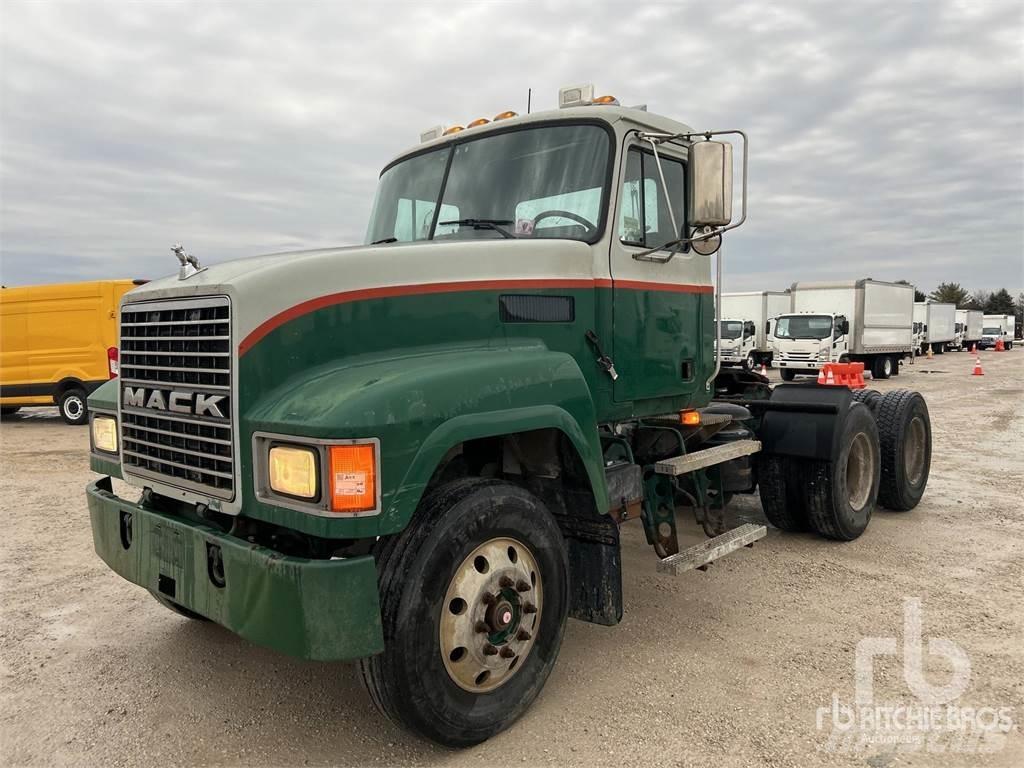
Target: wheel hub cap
491, 614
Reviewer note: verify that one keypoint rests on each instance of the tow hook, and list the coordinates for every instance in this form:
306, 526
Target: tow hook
602, 359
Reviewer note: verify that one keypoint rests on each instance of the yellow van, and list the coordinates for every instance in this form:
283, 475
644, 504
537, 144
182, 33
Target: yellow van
58, 343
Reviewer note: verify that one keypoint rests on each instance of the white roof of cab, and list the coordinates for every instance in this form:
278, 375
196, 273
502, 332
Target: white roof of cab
609, 114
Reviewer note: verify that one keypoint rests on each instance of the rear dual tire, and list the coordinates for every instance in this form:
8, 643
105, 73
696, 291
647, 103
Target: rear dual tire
905, 436
834, 498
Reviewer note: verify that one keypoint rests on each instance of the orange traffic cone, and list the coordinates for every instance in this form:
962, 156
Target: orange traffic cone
974, 349
831, 380
929, 353
1000, 347
977, 367
764, 369
821, 376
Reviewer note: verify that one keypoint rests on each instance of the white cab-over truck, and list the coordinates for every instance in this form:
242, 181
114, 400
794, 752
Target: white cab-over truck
867, 321
969, 327
746, 326
997, 327
939, 325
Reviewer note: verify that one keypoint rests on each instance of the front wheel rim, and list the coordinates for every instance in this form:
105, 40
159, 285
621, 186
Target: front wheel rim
491, 615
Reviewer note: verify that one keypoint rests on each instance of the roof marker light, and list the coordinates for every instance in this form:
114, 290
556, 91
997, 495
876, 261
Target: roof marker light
506, 115
609, 100
575, 96
433, 133
478, 121
452, 129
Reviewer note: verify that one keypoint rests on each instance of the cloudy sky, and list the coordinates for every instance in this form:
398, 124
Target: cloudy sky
887, 138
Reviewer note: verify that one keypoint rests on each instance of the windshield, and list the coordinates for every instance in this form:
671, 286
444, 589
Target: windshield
732, 329
547, 181
991, 331
804, 327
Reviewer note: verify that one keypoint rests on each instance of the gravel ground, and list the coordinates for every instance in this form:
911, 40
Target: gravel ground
727, 667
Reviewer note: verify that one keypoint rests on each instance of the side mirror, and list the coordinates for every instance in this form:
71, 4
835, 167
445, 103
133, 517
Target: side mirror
710, 181
846, 327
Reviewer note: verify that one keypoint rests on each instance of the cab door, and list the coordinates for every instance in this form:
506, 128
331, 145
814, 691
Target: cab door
661, 311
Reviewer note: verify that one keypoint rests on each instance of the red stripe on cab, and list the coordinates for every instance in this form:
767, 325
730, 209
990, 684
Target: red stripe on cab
392, 291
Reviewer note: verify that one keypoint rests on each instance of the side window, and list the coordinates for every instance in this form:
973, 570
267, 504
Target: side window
644, 215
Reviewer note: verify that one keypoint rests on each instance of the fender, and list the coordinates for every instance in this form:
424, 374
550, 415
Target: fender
420, 406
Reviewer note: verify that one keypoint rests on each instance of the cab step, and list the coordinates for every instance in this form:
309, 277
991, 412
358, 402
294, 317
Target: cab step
699, 555
707, 457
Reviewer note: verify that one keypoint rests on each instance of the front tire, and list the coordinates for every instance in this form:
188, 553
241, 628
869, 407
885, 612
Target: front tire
787, 374
474, 598
750, 363
72, 406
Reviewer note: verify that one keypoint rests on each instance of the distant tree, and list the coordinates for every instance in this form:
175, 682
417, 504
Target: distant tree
918, 295
1000, 303
950, 293
979, 299
1020, 312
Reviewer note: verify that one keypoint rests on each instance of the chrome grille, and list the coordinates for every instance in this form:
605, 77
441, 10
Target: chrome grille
176, 393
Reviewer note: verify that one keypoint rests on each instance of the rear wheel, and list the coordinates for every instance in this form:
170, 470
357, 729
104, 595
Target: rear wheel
72, 406
787, 374
178, 609
905, 440
841, 494
870, 397
881, 367
778, 487
474, 597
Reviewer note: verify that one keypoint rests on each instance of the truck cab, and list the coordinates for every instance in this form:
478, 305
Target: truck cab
804, 342
417, 453
737, 343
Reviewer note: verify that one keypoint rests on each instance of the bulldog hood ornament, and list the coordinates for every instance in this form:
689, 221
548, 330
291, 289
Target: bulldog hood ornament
189, 264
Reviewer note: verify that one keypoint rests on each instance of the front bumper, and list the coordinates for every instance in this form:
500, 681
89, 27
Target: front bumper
326, 610
808, 365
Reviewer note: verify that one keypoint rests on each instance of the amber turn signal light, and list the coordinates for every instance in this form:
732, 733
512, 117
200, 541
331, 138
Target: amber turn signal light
690, 418
353, 478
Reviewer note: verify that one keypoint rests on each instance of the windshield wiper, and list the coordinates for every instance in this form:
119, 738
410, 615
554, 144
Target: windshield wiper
385, 240
483, 224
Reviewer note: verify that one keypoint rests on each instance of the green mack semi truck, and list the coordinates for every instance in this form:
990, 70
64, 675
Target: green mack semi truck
418, 453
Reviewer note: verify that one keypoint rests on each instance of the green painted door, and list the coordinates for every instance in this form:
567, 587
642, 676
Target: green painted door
658, 308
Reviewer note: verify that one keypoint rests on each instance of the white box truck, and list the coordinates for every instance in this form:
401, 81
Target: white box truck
866, 321
746, 326
997, 327
969, 325
939, 324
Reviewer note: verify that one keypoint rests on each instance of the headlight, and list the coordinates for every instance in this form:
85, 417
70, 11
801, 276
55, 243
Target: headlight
104, 434
293, 471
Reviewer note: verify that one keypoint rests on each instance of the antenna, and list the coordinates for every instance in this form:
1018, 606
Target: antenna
529, 94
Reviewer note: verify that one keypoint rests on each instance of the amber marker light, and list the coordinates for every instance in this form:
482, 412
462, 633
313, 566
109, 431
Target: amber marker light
452, 129
478, 121
506, 115
609, 100
353, 478
690, 418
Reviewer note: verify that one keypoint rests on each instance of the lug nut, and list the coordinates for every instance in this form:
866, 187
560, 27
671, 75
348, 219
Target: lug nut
488, 599
523, 635
490, 650
529, 608
505, 582
481, 627
507, 653
522, 586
